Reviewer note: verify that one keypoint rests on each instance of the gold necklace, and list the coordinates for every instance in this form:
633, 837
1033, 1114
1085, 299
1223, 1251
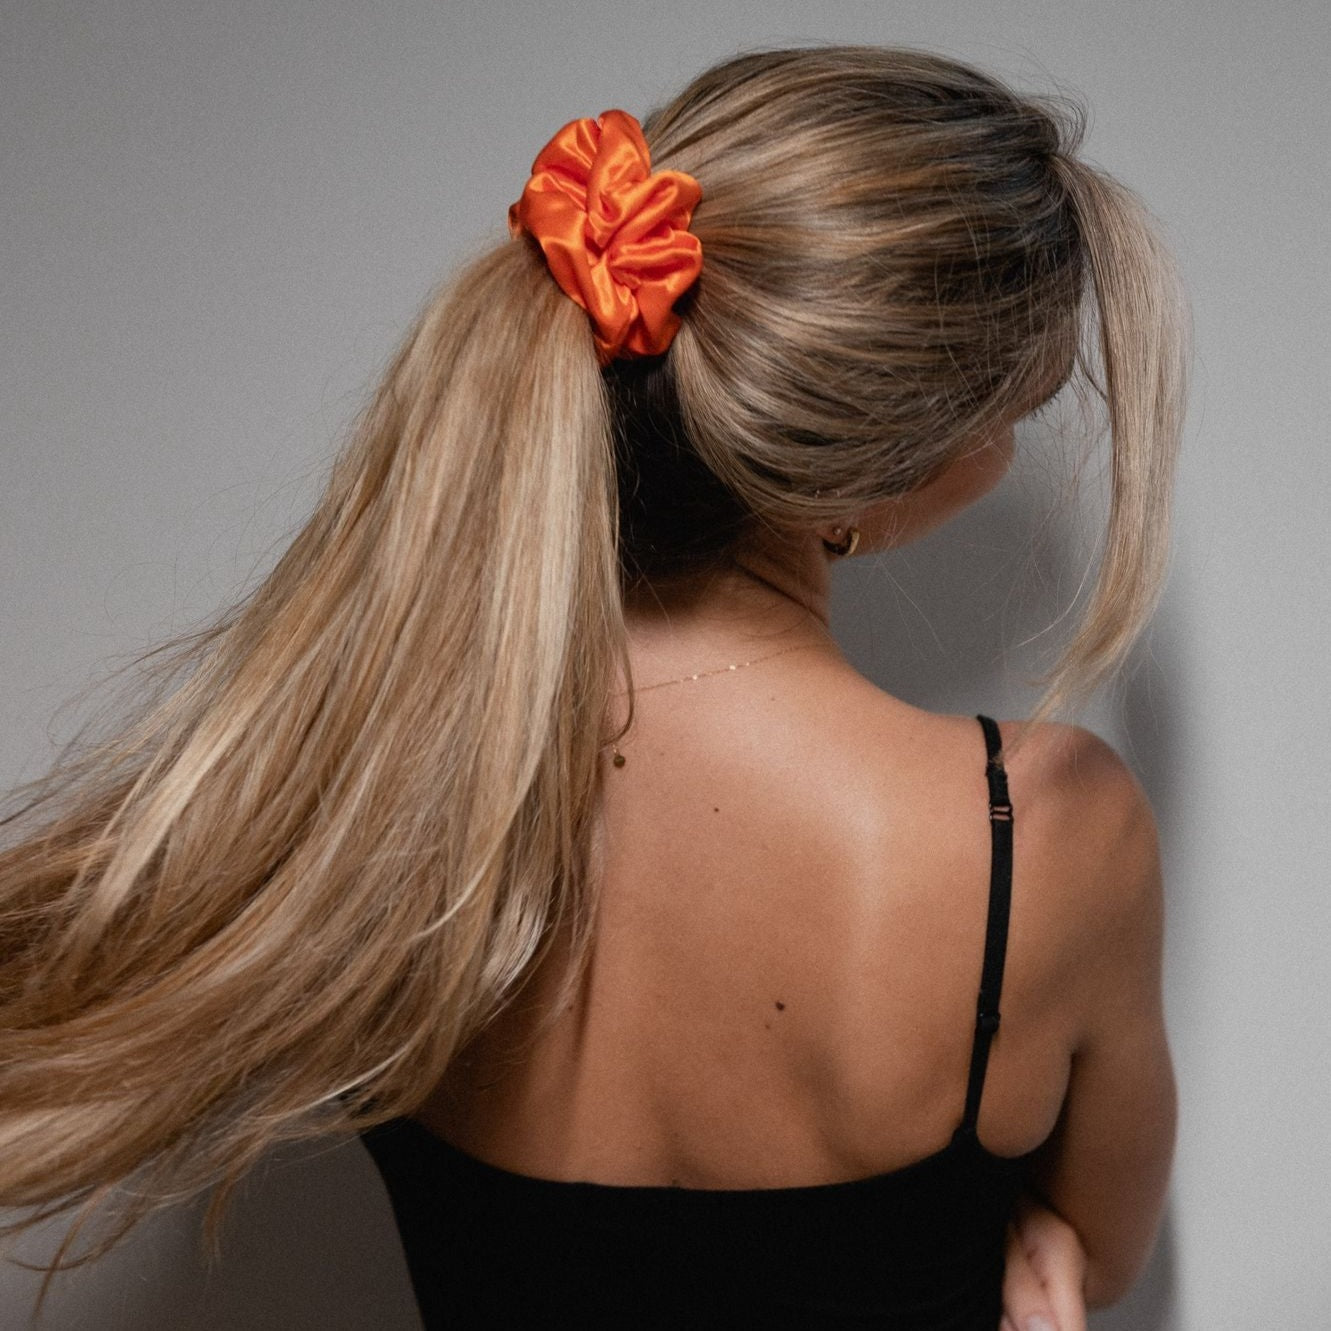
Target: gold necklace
618, 758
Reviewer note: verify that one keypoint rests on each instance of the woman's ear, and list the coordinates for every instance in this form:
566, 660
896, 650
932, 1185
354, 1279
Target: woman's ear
840, 541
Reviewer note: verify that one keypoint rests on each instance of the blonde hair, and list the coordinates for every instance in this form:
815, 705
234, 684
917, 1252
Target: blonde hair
275, 902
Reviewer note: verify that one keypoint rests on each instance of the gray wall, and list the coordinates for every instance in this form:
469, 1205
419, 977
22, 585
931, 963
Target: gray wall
218, 218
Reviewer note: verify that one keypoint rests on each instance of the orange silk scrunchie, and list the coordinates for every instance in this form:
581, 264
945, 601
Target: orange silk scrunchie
615, 233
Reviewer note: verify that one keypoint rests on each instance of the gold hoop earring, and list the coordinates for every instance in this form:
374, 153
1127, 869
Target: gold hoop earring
846, 545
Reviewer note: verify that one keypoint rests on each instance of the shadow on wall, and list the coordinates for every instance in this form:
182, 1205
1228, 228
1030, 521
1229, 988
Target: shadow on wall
964, 619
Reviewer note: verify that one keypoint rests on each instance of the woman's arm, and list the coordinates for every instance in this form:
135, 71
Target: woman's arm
1105, 1169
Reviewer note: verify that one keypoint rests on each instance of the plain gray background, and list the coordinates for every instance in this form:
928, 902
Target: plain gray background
216, 220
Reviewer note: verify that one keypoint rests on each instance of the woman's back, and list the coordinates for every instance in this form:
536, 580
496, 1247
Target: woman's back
768, 1058
783, 983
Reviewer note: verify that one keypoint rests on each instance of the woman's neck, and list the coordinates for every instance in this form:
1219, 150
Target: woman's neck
767, 599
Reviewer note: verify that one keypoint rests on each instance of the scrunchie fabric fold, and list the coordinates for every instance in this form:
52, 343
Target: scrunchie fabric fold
614, 232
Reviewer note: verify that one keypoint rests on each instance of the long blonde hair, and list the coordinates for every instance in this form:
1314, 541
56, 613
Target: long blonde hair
275, 902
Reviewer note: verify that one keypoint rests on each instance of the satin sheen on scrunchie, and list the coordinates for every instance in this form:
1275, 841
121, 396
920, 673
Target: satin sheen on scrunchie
614, 232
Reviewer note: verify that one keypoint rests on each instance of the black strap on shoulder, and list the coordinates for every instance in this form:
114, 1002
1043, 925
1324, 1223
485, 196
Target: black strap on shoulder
995, 938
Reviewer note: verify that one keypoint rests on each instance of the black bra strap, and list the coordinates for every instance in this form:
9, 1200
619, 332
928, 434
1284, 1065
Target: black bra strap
995, 939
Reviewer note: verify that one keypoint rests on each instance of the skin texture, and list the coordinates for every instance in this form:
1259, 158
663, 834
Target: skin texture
792, 863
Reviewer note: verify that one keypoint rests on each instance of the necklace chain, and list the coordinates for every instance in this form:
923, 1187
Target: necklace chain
720, 670
618, 758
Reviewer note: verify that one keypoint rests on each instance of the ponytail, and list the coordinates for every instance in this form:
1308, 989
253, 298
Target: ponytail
1143, 348
276, 904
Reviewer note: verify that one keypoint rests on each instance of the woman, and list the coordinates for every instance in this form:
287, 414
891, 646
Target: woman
527, 819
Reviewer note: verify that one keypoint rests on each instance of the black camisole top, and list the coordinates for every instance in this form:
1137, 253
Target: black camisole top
918, 1249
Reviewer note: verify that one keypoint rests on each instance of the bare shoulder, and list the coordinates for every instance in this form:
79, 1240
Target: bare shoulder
1080, 797
1084, 825
1080, 810
1069, 757
1086, 844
